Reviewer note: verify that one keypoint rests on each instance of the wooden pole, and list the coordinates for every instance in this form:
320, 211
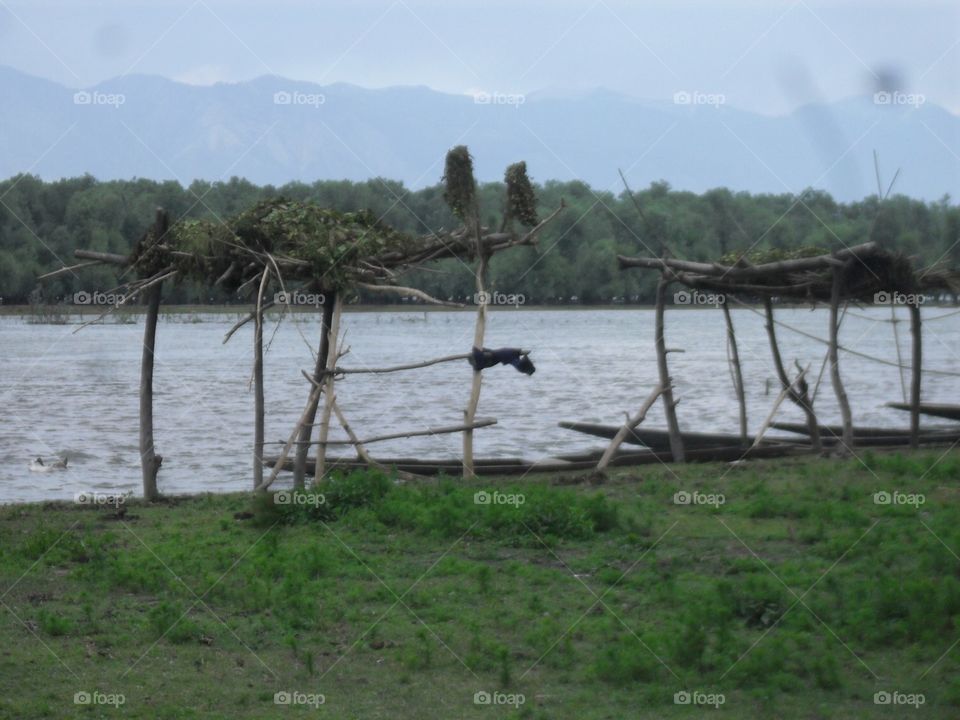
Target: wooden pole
835, 378
320, 465
149, 460
669, 405
916, 372
737, 374
311, 403
799, 397
469, 415
776, 406
310, 413
631, 423
258, 384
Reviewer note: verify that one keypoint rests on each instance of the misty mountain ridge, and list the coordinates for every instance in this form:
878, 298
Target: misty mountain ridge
273, 130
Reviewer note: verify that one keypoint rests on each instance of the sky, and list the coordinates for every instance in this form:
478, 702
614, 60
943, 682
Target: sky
767, 57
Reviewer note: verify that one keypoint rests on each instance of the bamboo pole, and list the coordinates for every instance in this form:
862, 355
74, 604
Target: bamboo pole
631, 423
835, 378
800, 396
333, 336
737, 373
916, 373
669, 405
149, 460
305, 427
258, 384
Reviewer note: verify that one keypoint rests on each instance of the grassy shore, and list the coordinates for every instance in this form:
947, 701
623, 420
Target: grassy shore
782, 590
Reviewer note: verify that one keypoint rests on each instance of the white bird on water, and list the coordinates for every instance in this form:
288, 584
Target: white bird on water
39, 466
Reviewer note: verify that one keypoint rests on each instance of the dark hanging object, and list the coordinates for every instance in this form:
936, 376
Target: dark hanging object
460, 189
482, 359
521, 200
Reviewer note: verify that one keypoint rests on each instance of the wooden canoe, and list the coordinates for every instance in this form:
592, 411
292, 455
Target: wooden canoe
950, 412
656, 439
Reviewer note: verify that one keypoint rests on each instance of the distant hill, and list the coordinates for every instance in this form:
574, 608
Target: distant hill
273, 130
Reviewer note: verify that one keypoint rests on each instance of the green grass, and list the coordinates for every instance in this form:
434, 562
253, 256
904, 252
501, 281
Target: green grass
797, 597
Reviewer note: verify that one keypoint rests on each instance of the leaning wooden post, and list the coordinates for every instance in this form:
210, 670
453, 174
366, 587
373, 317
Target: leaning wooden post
310, 413
737, 373
320, 466
835, 379
627, 428
258, 384
669, 405
799, 397
149, 460
916, 372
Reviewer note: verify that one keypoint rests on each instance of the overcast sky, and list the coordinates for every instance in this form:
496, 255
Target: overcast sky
765, 56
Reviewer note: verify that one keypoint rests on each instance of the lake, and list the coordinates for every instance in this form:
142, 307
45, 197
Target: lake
76, 395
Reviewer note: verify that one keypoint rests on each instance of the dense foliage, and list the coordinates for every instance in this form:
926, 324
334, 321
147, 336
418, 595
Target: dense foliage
41, 224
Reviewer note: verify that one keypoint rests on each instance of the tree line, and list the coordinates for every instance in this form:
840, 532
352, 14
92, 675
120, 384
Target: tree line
42, 223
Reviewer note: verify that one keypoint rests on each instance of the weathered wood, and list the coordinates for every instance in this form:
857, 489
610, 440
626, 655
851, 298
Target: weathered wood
407, 291
628, 427
278, 463
70, 269
776, 406
799, 397
328, 386
737, 374
410, 433
478, 334
835, 379
258, 400
149, 460
669, 404
110, 258
916, 375
819, 262
306, 426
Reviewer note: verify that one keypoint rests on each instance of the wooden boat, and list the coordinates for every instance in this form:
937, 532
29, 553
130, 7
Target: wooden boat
656, 439
837, 430
950, 412
578, 463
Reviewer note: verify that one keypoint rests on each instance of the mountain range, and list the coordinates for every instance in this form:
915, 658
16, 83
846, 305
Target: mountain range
272, 130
